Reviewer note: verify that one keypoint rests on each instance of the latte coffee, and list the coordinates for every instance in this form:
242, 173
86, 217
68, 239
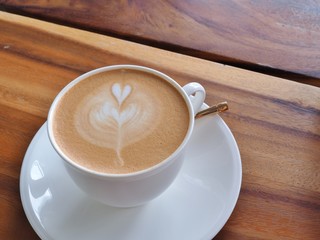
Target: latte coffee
120, 121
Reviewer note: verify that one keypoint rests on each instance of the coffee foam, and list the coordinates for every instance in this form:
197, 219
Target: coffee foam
124, 121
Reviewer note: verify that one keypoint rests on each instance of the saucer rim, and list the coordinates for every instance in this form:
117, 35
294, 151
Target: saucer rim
36, 225
42, 233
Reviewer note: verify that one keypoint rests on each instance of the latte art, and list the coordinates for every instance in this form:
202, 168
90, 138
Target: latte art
116, 117
120, 121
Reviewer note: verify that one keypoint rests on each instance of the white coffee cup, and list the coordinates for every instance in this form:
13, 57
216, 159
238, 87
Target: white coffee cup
136, 188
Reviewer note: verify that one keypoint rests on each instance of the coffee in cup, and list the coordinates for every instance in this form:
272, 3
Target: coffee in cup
122, 131
120, 121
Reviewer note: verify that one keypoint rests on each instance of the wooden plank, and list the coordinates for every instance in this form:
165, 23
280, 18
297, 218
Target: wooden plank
275, 122
280, 38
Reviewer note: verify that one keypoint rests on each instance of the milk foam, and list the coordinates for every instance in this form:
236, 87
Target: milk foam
120, 121
115, 116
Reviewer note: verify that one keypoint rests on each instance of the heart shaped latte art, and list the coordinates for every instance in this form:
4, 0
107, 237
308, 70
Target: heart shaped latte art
120, 94
115, 117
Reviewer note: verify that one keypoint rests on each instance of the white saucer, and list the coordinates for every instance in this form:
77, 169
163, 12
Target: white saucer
196, 205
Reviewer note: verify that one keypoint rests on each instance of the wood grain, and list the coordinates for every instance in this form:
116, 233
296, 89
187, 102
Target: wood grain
275, 123
280, 38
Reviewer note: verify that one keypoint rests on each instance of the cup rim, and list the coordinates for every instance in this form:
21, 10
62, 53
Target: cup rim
147, 171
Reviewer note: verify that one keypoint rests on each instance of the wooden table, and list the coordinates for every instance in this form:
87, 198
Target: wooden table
280, 38
275, 121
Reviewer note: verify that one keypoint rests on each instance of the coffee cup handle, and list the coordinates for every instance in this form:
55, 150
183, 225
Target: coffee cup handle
196, 94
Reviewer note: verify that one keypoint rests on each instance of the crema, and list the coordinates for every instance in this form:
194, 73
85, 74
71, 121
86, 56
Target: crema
120, 121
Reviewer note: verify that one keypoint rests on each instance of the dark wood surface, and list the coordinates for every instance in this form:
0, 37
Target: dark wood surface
275, 123
280, 38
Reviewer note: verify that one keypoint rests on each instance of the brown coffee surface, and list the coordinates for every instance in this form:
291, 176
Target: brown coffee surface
120, 121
